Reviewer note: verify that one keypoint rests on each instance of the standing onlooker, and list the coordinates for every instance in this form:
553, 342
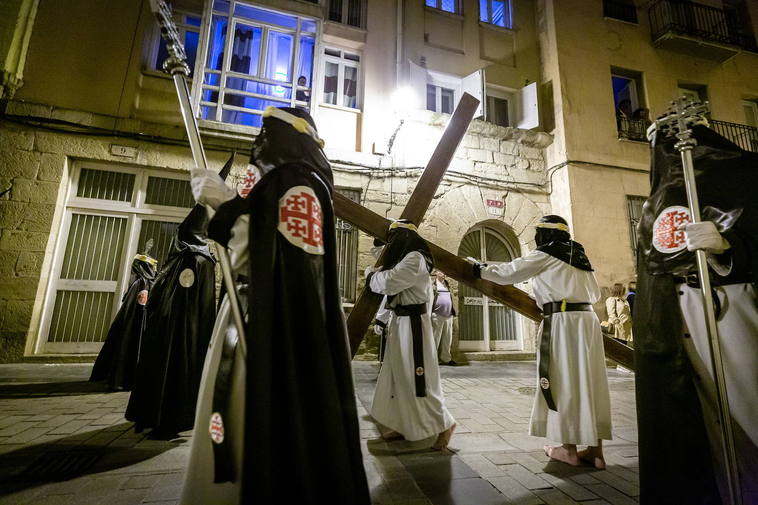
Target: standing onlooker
443, 312
619, 314
630, 296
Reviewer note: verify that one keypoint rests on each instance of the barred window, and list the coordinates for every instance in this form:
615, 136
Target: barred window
634, 205
347, 251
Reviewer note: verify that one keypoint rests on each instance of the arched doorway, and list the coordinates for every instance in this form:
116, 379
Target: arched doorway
485, 324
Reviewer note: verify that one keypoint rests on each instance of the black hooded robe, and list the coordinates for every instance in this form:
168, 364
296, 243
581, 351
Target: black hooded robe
117, 361
677, 462
181, 313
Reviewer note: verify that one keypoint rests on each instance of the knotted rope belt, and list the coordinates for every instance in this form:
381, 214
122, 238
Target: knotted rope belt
415, 312
544, 365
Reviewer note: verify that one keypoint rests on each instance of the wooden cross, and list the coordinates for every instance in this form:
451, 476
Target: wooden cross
368, 221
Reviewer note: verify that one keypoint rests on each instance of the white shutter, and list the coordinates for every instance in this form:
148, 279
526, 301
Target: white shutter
417, 83
473, 84
528, 113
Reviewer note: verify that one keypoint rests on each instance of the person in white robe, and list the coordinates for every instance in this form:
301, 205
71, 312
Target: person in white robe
408, 398
565, 287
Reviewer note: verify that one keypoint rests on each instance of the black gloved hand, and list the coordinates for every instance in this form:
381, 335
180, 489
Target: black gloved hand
477, 269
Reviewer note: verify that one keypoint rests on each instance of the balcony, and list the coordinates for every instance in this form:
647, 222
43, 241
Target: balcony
743, 135
632, 129
692, 28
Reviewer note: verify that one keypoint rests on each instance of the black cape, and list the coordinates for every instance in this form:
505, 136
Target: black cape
568, 251
117, 361
181, 314
302, 438
675, 457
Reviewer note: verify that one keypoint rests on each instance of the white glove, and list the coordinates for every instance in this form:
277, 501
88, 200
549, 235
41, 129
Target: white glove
209, 188
705, 236
377, 329
651, 130
370, 270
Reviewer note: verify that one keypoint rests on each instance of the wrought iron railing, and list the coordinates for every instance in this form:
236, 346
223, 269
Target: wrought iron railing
632, 129
743, 135
696, 20
618, 9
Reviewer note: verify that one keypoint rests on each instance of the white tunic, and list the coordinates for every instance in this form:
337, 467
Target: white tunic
396, 405
577, 359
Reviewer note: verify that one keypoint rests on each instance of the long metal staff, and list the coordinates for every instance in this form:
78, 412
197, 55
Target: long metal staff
176, 65
681, 115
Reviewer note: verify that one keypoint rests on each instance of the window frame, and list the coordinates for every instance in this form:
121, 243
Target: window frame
344, 15
639, 101
457, 8
341, 226
750, 104
199, 86
634, 202
341, 63
507, 16
443, 81
503, 93
182, 28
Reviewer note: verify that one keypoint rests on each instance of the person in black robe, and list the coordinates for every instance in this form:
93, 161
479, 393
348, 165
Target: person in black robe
681, 459
302, 442
181, 313
117, 361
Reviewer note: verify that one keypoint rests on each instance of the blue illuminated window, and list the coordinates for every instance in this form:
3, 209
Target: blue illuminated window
188, 26
496, 12
445, 5
270, 63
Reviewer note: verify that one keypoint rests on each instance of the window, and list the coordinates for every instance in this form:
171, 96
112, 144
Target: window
347, 251
440, 99
188, 26
271, 54
751, 113
634, 205
341, 70
623, 10
348, 12
445, 5
695, 92
496, 12
500, 108
632, 117
111, 213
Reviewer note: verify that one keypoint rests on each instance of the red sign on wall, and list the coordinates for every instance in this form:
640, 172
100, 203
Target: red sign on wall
495, 207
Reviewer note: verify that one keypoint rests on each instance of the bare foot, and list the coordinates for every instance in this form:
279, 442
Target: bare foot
392, 435
593, 457
563, 454
443, 439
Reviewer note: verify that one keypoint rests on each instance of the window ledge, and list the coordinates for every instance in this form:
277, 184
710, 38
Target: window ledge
633, 141
340, 107
226, 130
453, 15
497, 28
632, 23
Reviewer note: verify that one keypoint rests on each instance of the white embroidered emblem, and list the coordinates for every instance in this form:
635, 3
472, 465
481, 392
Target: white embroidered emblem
216, 428
544, 383
186, 278
300, 219
666, 237
142, 297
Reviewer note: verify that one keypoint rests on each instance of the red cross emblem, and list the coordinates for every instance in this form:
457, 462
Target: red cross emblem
216, 428
667, 238
248, 182
301, 220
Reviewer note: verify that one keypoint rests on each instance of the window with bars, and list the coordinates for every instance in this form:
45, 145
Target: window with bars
348, 12
634, 205
452, 6
347, 251
496, 12
341, 71
188, 25
255, 58
111, 213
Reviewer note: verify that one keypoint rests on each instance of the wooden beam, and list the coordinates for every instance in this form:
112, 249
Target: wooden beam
368, 303
460, 270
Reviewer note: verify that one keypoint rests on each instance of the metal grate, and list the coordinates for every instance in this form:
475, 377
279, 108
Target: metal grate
743, 135
347, 251
632, 129
61, 465
94, 247
169, 192
81, 316
634, 205
105, 185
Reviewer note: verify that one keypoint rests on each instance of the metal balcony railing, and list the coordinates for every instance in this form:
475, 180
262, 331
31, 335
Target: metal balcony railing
701, 21
632, 129
618, 9
743, 135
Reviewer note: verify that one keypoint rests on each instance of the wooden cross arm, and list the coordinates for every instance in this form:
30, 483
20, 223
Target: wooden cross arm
460, 270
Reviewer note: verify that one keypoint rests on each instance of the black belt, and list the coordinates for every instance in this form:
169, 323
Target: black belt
222, 454
544, 366
415, 312
382, 338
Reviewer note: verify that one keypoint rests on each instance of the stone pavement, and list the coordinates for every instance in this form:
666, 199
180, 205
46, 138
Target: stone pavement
65, 441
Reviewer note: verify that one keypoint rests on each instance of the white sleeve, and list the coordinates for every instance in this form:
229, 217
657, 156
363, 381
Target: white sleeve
401, 276
238, 243
517, 270
383, 314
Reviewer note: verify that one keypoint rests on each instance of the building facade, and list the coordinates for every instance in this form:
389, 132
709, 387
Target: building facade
93, 151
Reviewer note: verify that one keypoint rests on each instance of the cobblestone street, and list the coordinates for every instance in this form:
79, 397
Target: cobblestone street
64, 441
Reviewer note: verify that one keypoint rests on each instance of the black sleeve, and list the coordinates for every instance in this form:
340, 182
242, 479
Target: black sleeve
220, 227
